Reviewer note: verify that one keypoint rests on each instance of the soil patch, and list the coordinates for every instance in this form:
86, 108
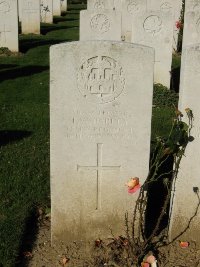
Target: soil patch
97, 254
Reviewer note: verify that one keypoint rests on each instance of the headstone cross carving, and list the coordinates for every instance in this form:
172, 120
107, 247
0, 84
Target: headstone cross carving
99, 168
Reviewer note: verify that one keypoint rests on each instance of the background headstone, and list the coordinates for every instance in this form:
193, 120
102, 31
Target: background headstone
56, 7
100, 134
9, 25
100, 25
31, 16
46, 11
155, 29
129, 9
184, 199
63, 5
104, 4
175, 6
191, 34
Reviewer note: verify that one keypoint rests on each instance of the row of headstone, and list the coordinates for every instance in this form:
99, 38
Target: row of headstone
144, 22
48, 8
130, 8
31, 13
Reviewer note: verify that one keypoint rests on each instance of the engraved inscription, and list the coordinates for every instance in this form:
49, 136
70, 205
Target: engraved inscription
100, 23
103, 124
132, 7
3, 32
152, 24
165, 7
4, 7
101, 79
99, 4
99, 168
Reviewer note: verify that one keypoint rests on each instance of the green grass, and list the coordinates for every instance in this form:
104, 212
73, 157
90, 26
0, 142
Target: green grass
24, 130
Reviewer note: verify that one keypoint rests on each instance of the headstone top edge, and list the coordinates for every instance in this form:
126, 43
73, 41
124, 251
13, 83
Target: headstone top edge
100, 42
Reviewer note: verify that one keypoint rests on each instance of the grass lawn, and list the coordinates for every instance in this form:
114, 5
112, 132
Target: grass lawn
24, 130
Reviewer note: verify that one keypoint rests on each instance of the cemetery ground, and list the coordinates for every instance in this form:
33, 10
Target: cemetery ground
24, 156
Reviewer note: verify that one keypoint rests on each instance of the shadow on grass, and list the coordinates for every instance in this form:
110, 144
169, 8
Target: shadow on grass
7, 66
63, 19
7, 137
46, 29
175, 79
21, 72
157, 193
27, 44
28, 239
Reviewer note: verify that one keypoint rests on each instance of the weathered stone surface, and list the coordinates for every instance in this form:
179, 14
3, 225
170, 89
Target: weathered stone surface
100, 25
155, 29
56, 7
46, 11
191, 33
100, 134
104, 4
184, 200
31, 16
9, 25
63, 5
130, 8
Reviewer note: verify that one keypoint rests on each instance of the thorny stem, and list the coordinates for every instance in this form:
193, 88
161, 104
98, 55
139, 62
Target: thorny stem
139, 245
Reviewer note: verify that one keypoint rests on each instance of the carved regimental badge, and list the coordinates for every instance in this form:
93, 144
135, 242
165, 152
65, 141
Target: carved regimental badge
100, 23
101, 79
4, 6
152, 24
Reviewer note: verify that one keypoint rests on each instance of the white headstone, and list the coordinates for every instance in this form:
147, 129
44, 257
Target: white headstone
104, 4
31, 16
130, 8
9, 25
56, 7
100, 134
191, 34
155, 29
63, 5
46, 11
184, 199
100, 25
166, 5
